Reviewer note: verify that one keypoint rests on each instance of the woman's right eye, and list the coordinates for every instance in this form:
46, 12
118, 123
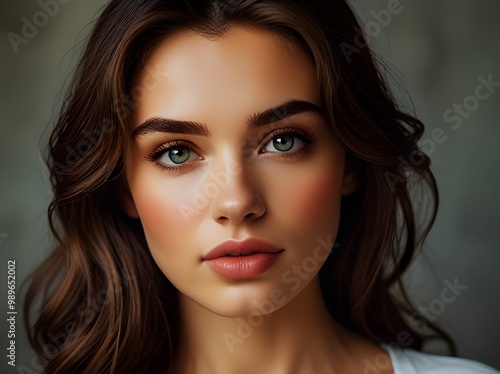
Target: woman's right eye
177, 155
173, 156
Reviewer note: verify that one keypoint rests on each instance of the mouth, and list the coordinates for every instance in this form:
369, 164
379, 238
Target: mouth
240, 254
242, 259
247, 247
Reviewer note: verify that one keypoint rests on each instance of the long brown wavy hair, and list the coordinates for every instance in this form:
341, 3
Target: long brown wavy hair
96, 303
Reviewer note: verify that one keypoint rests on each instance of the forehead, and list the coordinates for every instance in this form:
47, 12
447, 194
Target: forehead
246, 69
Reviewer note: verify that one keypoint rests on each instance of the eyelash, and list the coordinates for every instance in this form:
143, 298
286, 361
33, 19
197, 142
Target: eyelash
305, 137
164, 148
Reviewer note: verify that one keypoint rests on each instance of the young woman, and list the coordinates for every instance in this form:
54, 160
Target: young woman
229, 197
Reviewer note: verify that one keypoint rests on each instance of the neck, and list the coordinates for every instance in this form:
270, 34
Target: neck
301, 336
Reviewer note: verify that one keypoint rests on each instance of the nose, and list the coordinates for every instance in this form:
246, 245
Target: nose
238, 200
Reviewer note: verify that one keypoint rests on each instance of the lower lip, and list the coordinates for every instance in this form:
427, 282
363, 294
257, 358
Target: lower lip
242, 267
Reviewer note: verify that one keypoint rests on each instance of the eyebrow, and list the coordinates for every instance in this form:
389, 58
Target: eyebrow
254, 121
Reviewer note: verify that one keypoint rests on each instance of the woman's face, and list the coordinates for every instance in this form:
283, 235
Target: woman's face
218, 156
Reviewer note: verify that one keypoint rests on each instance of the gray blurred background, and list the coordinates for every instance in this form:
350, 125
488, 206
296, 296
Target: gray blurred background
440, 51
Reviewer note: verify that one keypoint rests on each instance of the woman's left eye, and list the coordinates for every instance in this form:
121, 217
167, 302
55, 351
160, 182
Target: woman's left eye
283, 143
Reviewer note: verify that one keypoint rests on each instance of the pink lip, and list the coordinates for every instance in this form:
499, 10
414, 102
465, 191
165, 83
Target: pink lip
242, 259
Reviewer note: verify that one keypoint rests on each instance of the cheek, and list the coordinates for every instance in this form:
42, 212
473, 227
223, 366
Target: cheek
158, 211
167, 209
311, 200
162, 207
319, 197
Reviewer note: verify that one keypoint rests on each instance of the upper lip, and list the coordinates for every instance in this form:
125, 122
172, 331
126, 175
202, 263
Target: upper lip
238, 248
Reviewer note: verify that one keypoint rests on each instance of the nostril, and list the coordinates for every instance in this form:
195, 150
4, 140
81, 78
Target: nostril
250, 215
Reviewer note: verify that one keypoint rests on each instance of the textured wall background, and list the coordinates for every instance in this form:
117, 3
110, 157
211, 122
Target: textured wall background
440, 50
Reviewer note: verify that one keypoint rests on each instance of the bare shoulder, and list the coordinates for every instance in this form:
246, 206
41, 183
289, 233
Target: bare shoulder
409, 361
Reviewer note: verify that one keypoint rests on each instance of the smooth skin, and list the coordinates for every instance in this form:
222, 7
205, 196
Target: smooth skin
281, 182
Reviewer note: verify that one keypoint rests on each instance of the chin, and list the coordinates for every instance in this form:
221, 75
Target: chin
245, 299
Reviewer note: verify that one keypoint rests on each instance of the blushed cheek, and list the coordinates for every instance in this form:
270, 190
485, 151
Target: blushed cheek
314, 200
168, 210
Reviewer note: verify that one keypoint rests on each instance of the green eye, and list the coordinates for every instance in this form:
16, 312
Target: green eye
283, 143
176, 155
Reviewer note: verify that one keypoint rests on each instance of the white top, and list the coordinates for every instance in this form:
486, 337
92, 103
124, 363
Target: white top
409, 361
